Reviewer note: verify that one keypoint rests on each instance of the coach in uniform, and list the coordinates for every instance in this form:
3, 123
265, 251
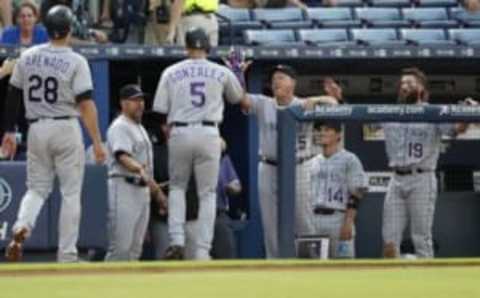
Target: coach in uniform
186, 14
130, 181
56, 86
338, 184
191, 93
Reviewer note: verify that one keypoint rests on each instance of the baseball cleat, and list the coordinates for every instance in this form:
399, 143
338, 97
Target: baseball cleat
174, 252
13, 252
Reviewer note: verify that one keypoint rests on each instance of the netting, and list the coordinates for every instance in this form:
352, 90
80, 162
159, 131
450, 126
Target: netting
395, 149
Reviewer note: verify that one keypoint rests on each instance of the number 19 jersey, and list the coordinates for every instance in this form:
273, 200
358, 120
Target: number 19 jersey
192, 91
51, 77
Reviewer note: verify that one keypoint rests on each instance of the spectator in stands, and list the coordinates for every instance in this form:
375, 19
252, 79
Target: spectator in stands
82, 34
194, 13
224, 244
249, 4
6, 13
156, 31
471, 5
26, 31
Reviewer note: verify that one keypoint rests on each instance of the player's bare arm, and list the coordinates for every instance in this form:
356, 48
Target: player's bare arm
88, 114
12, 107
346, 232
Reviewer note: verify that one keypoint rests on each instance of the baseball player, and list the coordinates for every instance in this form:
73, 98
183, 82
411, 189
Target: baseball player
412, 150
191, 93
56, 86
283, 80
338, 184
130, 183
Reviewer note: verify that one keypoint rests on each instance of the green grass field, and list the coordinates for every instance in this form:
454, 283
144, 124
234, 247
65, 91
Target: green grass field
262, 279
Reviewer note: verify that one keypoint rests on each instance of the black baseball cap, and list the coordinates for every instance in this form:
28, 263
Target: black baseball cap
337, 126
131, 91
286, 69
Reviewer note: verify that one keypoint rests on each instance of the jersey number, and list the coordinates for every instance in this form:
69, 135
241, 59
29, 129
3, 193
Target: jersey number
49, 86
415, 150
335, 196
197, 91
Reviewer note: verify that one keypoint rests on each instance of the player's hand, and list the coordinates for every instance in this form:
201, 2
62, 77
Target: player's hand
162, 201
99, 36
7, 67
332, 88
236, 61
469, 102
346, 231
100, 153
9, 145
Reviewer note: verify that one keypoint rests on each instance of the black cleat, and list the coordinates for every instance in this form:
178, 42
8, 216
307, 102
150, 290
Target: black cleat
174, 252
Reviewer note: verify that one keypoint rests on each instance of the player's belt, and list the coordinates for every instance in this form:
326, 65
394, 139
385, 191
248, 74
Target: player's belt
134, 180
274, 162
30, 121
185, 124
405, 172
326, 211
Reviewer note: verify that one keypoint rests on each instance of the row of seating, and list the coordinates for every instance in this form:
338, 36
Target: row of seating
385, 37
387, 3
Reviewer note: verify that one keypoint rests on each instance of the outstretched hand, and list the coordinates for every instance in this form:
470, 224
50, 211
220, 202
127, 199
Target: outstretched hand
9, 145
236, 61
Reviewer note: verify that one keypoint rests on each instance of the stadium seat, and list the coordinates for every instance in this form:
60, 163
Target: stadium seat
464, 17
435, 17
390, 3
425, 37
436, 3
380, 17
237, 20
469, 37
381, 37
270, 37
350, 3
281, 18
325, 37
334, 17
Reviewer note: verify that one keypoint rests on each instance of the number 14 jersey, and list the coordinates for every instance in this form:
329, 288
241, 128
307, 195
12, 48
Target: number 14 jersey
50, 78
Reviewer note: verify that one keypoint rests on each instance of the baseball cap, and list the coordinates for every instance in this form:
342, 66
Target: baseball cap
286, 69
131, 91
337, 126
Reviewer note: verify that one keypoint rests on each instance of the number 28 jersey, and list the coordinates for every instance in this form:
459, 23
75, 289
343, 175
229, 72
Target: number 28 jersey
192, 91
415, 144
50, 78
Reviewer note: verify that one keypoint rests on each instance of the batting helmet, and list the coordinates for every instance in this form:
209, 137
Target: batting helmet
196, 38
58, 21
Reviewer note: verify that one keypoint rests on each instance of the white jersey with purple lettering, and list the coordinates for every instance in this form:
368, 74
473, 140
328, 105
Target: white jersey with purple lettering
51, 78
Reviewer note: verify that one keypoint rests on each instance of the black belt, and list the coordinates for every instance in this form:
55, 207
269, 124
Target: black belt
185, 124
134, 180
405, 172
274, 162
197, 11
326, 211
30, 121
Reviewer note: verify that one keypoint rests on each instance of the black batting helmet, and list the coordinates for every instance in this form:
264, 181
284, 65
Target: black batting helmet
58, 21
197, 38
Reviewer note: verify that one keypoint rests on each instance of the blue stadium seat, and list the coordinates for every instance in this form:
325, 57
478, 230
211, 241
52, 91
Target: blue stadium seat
381, 17
381, 37
437, 3
325, 37
464, 17
270, 37
237, 20
334, 17
470, 37
435, 17
425, 37
281, 18
390, 3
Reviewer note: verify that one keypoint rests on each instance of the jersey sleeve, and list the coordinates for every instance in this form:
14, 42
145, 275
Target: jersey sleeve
16, 79
446, 129
161, 102
119, 140
356, 176
82, 78
233, 89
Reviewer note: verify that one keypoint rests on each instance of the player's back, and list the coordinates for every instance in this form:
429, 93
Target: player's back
195, 89
50, 78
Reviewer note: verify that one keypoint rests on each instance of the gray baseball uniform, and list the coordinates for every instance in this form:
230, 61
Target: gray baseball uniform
334, 179
413, 150
265, 109
51, 78
129, 203
191, 92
